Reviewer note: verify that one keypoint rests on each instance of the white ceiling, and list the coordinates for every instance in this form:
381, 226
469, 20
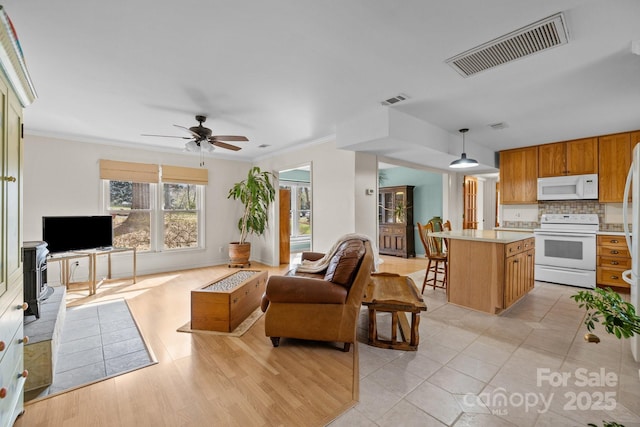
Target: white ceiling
286, 72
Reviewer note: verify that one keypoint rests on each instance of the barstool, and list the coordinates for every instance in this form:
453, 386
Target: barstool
436, 254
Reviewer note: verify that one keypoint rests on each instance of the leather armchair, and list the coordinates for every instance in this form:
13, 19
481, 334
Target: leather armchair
322, 306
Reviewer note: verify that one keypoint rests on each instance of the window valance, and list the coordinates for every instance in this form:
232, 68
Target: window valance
127, 171
185, 175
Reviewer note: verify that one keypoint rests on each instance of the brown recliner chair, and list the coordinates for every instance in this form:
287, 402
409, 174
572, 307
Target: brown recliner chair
320, 306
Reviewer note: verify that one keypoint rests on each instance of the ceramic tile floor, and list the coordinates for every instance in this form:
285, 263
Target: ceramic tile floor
474, 369
97, 341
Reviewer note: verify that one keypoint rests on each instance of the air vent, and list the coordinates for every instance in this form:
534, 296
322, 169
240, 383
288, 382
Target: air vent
398, 98
539, 36
498, 126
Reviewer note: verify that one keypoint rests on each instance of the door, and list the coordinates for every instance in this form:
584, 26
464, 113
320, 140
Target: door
567, 250
470, 199
285, 225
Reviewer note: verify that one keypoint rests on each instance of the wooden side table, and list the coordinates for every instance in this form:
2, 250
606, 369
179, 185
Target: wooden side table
397, 295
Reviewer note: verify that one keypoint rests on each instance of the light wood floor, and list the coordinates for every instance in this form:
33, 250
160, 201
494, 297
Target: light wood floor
207, 379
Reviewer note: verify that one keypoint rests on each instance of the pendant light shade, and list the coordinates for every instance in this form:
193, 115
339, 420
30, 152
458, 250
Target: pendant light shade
463, 162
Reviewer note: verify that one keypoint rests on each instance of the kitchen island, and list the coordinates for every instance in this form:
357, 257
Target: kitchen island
489, 270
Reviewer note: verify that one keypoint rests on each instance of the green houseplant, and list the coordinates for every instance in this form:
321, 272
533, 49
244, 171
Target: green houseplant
618, 316
256, 193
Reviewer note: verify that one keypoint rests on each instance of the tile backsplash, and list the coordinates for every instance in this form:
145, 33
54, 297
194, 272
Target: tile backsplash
604, 211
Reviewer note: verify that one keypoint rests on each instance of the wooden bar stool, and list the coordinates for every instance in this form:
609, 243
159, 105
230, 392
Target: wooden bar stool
435, 251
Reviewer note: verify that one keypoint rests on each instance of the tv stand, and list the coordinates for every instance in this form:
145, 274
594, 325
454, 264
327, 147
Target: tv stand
92, 255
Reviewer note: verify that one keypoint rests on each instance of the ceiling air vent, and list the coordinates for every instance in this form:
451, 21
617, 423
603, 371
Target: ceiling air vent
536, 37
395, 99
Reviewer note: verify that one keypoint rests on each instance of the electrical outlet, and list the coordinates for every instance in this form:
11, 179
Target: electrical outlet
220, 249
76, 263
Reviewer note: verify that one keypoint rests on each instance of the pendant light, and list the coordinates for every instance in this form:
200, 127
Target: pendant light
463, 162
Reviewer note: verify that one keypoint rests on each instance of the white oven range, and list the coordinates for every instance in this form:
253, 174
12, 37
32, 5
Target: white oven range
566, 249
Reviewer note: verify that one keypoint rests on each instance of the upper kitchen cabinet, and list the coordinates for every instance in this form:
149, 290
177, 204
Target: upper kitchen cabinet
519, 175
615, 159
635, 139
575, 157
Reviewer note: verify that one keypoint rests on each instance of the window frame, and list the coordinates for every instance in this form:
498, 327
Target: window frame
156, 213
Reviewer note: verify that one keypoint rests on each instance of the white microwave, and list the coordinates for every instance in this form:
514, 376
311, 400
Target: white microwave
570, 187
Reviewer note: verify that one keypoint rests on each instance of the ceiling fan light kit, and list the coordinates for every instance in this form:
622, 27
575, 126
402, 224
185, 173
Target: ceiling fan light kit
201, 138
463, 162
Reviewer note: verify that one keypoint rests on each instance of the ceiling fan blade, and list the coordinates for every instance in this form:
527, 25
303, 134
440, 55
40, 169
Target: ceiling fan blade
225, 145
167, 136
229, 138
195, 135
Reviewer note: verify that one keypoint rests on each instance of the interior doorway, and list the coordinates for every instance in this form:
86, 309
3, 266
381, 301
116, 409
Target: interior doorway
296, 218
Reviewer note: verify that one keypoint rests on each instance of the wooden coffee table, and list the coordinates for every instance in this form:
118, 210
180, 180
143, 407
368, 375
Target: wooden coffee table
398, 295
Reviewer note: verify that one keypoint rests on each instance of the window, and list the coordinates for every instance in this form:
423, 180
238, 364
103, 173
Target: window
130, 205
180, 206
151, 215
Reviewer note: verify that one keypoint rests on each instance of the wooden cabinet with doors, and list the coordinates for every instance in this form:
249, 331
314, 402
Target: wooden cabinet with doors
519, 175
519, 270
575, 157
395, 221
615, 159
613, 259
14, 95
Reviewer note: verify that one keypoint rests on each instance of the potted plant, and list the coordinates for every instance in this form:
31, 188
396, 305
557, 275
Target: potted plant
618, 316
256, 193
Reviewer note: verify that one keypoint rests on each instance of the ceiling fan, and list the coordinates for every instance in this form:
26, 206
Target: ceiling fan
200, 134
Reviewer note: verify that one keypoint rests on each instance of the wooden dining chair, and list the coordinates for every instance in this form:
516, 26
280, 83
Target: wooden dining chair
436, 255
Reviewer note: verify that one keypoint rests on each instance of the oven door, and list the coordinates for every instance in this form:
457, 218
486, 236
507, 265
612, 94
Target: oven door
566, 250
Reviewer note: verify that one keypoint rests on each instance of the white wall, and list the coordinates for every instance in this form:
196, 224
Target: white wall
334, 186
62, 178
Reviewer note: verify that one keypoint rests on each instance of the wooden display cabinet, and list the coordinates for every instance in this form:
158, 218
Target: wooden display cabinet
395, 221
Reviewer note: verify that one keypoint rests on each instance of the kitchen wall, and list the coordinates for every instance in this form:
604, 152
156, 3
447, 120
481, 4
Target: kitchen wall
528, 216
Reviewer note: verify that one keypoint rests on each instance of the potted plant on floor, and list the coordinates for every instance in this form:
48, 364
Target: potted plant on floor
618, 316
256, 193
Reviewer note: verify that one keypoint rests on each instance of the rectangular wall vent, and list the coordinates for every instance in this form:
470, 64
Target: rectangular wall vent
533, 38
395, 99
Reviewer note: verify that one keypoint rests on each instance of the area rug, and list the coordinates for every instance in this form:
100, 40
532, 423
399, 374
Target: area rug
240, 330
99, 341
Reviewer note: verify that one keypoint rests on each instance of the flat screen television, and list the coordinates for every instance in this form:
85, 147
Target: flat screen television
69, 233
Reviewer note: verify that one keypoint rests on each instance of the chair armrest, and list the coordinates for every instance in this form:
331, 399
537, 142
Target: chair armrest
291, 289
311, 256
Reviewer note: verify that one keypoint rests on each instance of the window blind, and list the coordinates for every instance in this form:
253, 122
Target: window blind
127, 171
180, 174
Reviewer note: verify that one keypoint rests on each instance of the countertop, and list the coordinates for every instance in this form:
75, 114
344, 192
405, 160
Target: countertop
492, 236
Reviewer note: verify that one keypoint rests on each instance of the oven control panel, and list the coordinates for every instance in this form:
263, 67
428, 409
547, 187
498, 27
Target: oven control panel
590, 219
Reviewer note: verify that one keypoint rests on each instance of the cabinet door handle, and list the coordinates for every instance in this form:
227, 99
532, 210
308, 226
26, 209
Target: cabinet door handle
614, 262
615, 277
615, 252
614, 241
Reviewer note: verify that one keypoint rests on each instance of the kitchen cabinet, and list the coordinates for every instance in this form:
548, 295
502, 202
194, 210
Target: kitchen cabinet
519, 270
575, 157
489, 270
519, 176
614, 154
395, 221
613, 259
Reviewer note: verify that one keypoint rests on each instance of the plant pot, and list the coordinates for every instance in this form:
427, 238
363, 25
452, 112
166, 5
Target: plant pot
239, 254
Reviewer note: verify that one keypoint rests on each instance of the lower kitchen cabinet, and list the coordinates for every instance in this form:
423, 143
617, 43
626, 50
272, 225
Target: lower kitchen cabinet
613, 259
519, 269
